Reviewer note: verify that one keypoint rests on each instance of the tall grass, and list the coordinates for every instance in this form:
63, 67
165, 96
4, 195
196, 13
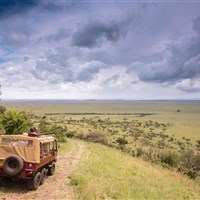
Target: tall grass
105, 173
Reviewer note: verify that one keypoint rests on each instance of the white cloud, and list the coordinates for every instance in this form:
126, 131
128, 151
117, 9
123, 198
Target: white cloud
189, 85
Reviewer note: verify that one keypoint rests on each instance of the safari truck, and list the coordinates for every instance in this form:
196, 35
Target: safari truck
28, 158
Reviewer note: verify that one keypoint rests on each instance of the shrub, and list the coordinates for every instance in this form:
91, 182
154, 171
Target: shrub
80, 136
2, 131
70, 134
169, 158
138, 151
2, 109
190, 163
44, 126
15, 122
121, 141
59, 132
152, 154
96, 137
136, 135
198, 144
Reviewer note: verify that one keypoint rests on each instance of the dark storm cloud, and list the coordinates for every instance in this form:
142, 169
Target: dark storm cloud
12, 7
8, 7
64, 5
196, 25
181, 61
94, 33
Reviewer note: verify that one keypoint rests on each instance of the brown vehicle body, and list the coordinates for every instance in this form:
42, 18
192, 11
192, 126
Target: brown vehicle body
29, 158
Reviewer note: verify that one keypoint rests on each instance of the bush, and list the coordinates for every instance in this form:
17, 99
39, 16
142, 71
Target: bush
59, 132
15, 122
96, 137
169, 158
70, 134
2, 131
2, 109
137, 152
190, 163
121, 141
80, 136
44, 127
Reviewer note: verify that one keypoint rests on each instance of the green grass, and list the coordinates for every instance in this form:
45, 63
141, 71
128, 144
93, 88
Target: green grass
64, 147
105, 173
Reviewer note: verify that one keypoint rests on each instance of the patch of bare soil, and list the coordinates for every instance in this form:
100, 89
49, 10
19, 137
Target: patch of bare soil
55, 187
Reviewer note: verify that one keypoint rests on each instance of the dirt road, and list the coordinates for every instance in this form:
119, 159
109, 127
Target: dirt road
55, 187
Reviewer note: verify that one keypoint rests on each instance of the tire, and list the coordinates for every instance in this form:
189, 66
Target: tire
34, 183
12, 165
52, 169
43, 175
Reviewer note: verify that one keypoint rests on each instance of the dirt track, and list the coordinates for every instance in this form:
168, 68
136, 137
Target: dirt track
55, 187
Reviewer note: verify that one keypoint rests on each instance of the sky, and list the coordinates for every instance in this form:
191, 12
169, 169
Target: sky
99, 49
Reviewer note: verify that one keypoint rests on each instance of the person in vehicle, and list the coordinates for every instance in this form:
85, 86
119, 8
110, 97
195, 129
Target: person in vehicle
33, 132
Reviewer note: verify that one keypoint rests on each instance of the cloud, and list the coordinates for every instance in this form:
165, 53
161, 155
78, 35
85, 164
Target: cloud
60, 35
57, 66
14, 38
196, 25
181, 60
189, 85
93, 34
8, 7
86, 71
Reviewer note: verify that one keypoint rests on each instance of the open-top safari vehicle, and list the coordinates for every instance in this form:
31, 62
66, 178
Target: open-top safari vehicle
28, 158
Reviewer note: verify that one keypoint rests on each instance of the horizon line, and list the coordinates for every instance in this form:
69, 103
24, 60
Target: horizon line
91, 99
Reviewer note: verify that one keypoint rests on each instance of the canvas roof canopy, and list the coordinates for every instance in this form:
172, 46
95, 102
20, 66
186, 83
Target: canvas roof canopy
28, 148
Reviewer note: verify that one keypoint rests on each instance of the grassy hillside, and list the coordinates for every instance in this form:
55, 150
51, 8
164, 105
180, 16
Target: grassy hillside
105, 173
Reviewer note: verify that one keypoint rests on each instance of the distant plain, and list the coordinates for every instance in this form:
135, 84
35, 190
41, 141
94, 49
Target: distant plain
184, 116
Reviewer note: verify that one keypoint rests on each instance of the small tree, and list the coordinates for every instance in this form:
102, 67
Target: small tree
15, 122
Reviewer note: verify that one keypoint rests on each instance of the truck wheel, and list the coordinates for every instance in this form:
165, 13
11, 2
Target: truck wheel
34, 183
12, 165
43, 175
52, 169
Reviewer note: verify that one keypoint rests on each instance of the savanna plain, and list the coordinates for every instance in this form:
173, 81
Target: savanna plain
129, 149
